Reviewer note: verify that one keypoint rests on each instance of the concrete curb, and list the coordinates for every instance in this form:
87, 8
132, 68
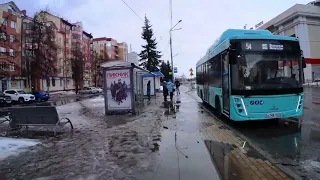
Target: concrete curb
259, 150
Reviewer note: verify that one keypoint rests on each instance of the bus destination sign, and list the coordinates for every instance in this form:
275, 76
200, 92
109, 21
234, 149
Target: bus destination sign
266, 46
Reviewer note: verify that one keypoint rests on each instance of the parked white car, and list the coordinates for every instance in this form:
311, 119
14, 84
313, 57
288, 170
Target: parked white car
89, 90
100, 90
19, 95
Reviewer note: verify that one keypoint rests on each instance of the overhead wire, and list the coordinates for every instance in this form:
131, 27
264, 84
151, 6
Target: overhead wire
143, 21
132, 10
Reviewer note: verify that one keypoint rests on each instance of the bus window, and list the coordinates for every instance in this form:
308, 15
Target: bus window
266, 71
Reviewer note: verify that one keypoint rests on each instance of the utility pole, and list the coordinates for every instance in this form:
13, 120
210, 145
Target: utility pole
171, 40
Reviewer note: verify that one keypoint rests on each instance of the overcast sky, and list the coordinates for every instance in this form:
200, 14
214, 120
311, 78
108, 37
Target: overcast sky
202, 20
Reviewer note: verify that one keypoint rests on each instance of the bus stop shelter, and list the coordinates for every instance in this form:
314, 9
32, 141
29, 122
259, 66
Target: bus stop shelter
123, 87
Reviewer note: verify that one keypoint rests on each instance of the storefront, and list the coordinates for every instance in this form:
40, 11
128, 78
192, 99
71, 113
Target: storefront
13, 83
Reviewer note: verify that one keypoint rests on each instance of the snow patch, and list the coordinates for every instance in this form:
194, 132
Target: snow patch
75, 112
11, 146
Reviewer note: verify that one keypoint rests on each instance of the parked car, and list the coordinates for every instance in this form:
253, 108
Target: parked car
41, 96
19, 95
89, 90
4, 99
100, 90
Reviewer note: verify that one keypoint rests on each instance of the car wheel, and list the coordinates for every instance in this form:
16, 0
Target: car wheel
21, 100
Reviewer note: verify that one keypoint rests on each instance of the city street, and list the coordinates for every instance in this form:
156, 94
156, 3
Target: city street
156, 144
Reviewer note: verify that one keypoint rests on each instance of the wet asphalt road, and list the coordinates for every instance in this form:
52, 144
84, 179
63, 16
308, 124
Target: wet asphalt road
293, 143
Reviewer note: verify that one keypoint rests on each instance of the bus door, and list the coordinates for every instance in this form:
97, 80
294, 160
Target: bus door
206, 83
225, 82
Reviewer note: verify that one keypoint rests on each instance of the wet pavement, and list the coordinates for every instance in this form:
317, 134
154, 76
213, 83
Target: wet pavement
292, 143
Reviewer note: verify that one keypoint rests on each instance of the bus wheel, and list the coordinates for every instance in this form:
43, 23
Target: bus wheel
218, 108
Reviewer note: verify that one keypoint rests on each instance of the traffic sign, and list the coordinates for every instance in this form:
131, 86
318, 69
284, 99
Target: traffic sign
175, 70
190, 70
191, 74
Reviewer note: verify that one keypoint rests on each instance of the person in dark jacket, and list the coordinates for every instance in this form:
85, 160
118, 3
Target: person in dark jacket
177, 83
148, 90
165, 91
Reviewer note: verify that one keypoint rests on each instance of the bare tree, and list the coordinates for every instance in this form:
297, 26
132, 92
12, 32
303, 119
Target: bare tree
78, 66
40, 49
95, 67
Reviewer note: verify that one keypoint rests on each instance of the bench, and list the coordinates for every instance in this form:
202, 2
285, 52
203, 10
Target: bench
35, 116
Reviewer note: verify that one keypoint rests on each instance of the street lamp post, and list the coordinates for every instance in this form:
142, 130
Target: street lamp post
171, 56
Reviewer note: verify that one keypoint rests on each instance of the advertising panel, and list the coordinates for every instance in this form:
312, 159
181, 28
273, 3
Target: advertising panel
118, 89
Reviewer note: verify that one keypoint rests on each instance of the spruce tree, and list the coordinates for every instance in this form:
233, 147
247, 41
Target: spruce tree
165, 69
149, 56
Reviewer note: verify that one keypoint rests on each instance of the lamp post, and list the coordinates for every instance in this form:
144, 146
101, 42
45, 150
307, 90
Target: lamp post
172, 29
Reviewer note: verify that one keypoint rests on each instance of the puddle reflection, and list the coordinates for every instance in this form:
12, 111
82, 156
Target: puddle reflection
226, 164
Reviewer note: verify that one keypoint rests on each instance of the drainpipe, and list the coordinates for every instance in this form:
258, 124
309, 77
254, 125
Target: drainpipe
21, 46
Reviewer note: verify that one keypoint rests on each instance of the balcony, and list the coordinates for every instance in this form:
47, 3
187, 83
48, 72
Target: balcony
62, 30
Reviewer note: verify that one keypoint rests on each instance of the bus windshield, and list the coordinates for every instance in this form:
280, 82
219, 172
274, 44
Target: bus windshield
266, 70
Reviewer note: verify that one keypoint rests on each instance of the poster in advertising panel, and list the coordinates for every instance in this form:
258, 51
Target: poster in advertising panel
118, 89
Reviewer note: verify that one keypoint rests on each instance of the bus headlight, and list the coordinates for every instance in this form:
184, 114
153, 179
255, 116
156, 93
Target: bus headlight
299, 103
241, 107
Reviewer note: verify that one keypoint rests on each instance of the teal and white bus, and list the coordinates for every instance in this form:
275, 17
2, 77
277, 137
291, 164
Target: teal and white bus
252, 75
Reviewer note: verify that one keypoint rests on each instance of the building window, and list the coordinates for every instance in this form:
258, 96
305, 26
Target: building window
13, 24
11, 52
3, 36
11, 66
12, 38
53, 82
3, 51
4, 21
3, 66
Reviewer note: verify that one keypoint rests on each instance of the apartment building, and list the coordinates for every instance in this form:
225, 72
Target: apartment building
110, 47
68, 35
301, 21
62, 80
123, 51
10, 60
83, 40
106, 47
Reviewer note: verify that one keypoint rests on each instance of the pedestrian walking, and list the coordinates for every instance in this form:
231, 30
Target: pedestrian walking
170, 86
148, 90
177, 83
165, 91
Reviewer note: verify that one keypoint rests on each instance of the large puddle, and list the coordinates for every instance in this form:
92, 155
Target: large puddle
183, 156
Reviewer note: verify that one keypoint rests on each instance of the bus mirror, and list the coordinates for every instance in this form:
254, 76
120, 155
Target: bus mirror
304, 65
